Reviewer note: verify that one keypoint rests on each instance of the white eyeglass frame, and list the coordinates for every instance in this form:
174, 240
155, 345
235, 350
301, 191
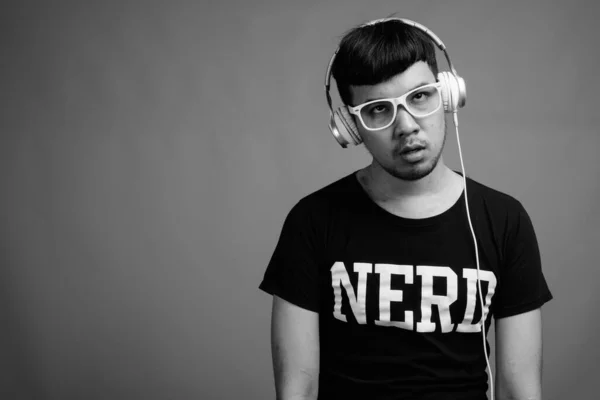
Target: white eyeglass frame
396, 102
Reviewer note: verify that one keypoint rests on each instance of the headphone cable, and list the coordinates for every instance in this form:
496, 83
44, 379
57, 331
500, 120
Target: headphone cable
483, 312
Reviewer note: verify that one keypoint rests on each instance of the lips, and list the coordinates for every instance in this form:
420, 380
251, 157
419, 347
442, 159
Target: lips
408, 149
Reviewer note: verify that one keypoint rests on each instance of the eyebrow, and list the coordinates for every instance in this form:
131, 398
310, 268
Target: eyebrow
421, 83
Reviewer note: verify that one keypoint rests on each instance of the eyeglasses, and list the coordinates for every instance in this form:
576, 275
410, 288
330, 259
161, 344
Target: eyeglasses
379, 114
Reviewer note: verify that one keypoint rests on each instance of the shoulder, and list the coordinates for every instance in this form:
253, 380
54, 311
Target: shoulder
503, 216
328, 198
314, 215
493, 200
501, 211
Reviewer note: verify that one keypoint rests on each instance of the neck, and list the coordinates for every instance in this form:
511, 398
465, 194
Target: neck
392, 188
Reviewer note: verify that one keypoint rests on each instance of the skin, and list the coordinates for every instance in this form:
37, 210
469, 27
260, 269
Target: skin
295, 351
519, 357
415, 188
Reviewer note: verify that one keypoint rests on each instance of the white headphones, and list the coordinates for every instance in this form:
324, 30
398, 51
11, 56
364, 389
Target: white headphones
454, 92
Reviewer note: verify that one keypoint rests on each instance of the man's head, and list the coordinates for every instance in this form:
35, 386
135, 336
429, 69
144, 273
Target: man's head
387, 60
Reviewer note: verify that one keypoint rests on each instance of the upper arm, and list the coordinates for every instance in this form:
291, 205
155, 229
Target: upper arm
519, 356
295, 350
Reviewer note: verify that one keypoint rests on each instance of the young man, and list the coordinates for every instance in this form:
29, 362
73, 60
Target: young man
376, 284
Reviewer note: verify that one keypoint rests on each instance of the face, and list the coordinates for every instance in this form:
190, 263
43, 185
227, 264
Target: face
391, 147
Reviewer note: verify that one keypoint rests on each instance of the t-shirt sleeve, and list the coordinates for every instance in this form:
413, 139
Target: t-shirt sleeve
292, 272
522, 286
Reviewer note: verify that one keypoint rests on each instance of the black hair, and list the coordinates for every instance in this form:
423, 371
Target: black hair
372, 54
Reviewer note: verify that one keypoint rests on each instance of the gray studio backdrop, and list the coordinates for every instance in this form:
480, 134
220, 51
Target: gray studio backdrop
151, 150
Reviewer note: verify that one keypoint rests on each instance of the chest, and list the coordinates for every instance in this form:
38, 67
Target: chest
423, 280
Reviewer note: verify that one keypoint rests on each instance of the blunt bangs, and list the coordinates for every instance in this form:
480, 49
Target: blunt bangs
373, 54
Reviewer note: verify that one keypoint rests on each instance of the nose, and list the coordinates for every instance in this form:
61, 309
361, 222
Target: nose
405, 123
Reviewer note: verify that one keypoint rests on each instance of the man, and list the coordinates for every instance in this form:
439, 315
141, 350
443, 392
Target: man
377, 287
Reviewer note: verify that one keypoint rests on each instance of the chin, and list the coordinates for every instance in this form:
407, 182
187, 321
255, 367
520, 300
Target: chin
412, 172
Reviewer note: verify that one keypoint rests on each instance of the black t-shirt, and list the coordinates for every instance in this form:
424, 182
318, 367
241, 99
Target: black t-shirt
398, 303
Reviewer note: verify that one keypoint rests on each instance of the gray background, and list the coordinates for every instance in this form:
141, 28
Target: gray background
150, 152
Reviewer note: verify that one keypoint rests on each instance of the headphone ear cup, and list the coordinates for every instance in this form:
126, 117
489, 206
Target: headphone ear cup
454, 94
445, 91
346, 127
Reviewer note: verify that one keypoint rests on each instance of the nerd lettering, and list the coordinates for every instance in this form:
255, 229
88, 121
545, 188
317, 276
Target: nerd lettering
387, 295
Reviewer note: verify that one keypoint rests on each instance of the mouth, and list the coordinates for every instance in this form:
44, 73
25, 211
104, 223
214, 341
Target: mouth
411, 149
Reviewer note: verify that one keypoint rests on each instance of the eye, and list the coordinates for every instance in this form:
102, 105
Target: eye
422, 95
419, 96
378, 109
